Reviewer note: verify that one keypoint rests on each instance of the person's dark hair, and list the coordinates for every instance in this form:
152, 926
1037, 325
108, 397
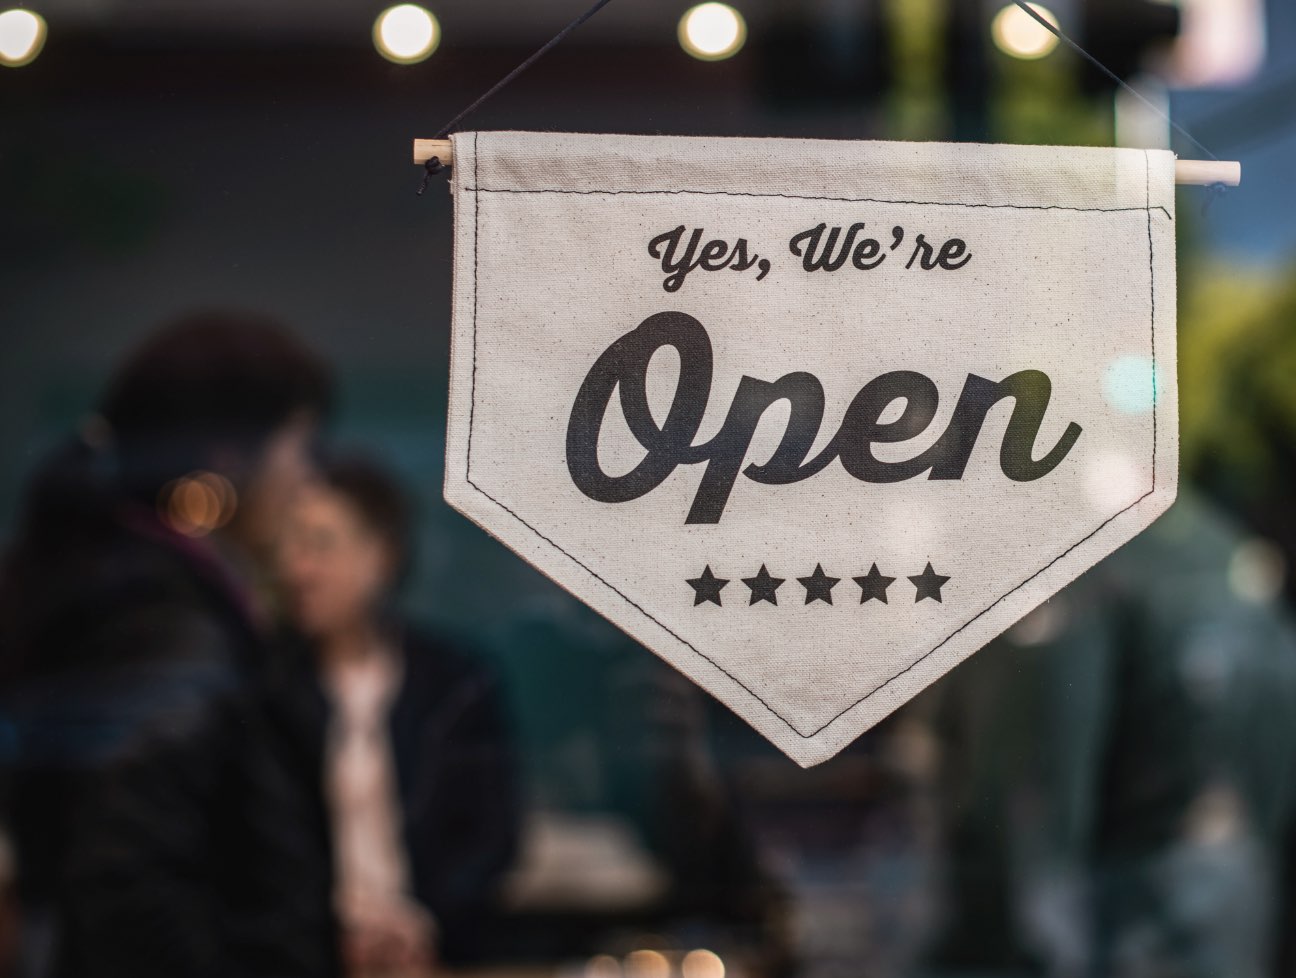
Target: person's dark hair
217, 384
217, 380
379, 500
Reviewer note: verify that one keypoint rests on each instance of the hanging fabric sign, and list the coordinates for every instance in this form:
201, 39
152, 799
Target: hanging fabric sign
813, 421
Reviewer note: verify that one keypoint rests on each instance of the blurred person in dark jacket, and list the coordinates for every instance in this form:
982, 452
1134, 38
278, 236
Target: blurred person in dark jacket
408, 728
10, 917
1119, 771
132, 628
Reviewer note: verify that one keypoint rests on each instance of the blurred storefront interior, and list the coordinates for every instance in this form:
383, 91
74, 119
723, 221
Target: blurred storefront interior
1110, 789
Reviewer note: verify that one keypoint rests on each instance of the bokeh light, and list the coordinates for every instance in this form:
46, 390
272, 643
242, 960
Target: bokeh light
1017, 33
647, 964
1257, 571
198, 503
406, 34
712, 31
1130, 384
702, 964
22, 35
603, 966
1113, 481
1043, 625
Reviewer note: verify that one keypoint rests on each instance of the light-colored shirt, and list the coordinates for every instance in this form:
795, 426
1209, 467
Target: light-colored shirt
360, 784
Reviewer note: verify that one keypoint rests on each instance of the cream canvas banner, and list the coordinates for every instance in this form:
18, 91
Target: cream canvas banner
813, 421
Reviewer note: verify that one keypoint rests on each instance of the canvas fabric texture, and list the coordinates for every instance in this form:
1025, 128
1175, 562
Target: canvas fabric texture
812, 420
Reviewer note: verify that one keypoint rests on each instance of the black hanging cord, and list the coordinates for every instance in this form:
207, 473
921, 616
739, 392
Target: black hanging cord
1043, 22
434, 165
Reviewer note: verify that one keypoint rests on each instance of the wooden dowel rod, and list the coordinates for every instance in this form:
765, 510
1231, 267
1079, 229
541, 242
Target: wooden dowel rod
425, 149
1200, 173
1207, 173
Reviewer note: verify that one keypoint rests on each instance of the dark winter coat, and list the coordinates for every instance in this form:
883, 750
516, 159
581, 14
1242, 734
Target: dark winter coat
161, 764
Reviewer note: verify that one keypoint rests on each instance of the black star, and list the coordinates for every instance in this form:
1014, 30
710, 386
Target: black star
818, 585
763, 586
928, 584
707, 587
874, 584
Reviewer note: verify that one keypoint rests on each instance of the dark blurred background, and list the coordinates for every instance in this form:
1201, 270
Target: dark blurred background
162, 155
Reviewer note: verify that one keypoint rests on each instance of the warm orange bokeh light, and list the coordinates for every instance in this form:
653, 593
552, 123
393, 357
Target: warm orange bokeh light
198, 503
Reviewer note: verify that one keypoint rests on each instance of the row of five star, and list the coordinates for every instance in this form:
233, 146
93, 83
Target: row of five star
818, 586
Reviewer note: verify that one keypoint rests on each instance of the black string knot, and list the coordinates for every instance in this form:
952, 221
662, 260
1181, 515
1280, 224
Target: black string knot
430, 169
1213, 193
434, 165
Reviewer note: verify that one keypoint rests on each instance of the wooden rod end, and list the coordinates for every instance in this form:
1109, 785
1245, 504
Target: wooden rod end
425, 149
1207, 173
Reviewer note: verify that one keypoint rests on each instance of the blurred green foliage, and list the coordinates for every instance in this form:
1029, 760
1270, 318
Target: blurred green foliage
1237, 378
915, 103
1040, 102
